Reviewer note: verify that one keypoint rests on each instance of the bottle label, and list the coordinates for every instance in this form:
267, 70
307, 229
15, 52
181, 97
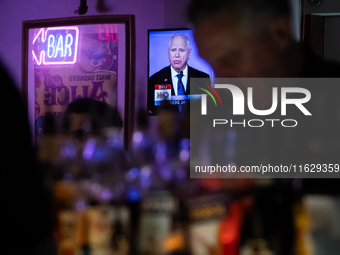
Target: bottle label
207, 208
206, 214
67, 220
108, 232
156, 222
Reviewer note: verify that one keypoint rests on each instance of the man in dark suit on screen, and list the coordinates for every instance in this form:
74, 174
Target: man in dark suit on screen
175, 78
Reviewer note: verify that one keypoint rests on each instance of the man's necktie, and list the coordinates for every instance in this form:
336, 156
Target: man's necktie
180, 87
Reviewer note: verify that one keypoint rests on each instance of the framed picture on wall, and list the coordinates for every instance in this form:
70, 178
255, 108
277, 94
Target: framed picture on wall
78, 57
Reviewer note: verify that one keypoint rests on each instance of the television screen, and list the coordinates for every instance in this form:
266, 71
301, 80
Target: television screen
173, 59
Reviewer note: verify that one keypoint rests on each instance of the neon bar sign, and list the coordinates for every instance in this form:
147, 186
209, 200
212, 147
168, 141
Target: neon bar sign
56, 46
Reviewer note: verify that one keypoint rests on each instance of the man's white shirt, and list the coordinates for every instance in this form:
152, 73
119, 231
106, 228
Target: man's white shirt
175, 78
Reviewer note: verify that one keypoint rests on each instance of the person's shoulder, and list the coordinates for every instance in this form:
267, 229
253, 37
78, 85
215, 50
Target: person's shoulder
161, 72
331, 69
317, 67
197, 73
323, 69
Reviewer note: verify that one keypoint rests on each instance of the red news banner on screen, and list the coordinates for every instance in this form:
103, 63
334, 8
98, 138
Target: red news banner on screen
162, 92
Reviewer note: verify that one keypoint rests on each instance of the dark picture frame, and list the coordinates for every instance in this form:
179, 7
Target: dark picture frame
125, 85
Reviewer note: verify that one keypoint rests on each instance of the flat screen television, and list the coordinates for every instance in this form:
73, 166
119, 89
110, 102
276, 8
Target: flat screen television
161, 79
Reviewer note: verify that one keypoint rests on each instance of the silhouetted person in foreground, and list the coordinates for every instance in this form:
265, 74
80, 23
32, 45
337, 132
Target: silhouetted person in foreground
246, 38
26, 210
254, 39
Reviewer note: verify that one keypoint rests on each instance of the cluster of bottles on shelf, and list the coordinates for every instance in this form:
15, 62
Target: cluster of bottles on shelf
142, 201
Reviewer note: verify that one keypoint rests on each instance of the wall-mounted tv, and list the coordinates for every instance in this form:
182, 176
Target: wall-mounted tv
172, 60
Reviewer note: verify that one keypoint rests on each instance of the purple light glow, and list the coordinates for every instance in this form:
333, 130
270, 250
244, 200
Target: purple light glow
166, 172
134, 195
138, 137
145, 183
89, 149
96, 188
68, 150
145, 172
106, 194
80, 205
161, 152
185, 143
133, 173
181, 174
184, 155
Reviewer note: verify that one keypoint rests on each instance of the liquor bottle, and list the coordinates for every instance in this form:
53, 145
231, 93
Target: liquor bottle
269, 226
87, 191
304, 242
207, 213
109, 213
142, 147
56, 154
162, 218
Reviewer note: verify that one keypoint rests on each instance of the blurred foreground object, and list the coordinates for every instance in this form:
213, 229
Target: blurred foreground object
25, 198
87, 173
